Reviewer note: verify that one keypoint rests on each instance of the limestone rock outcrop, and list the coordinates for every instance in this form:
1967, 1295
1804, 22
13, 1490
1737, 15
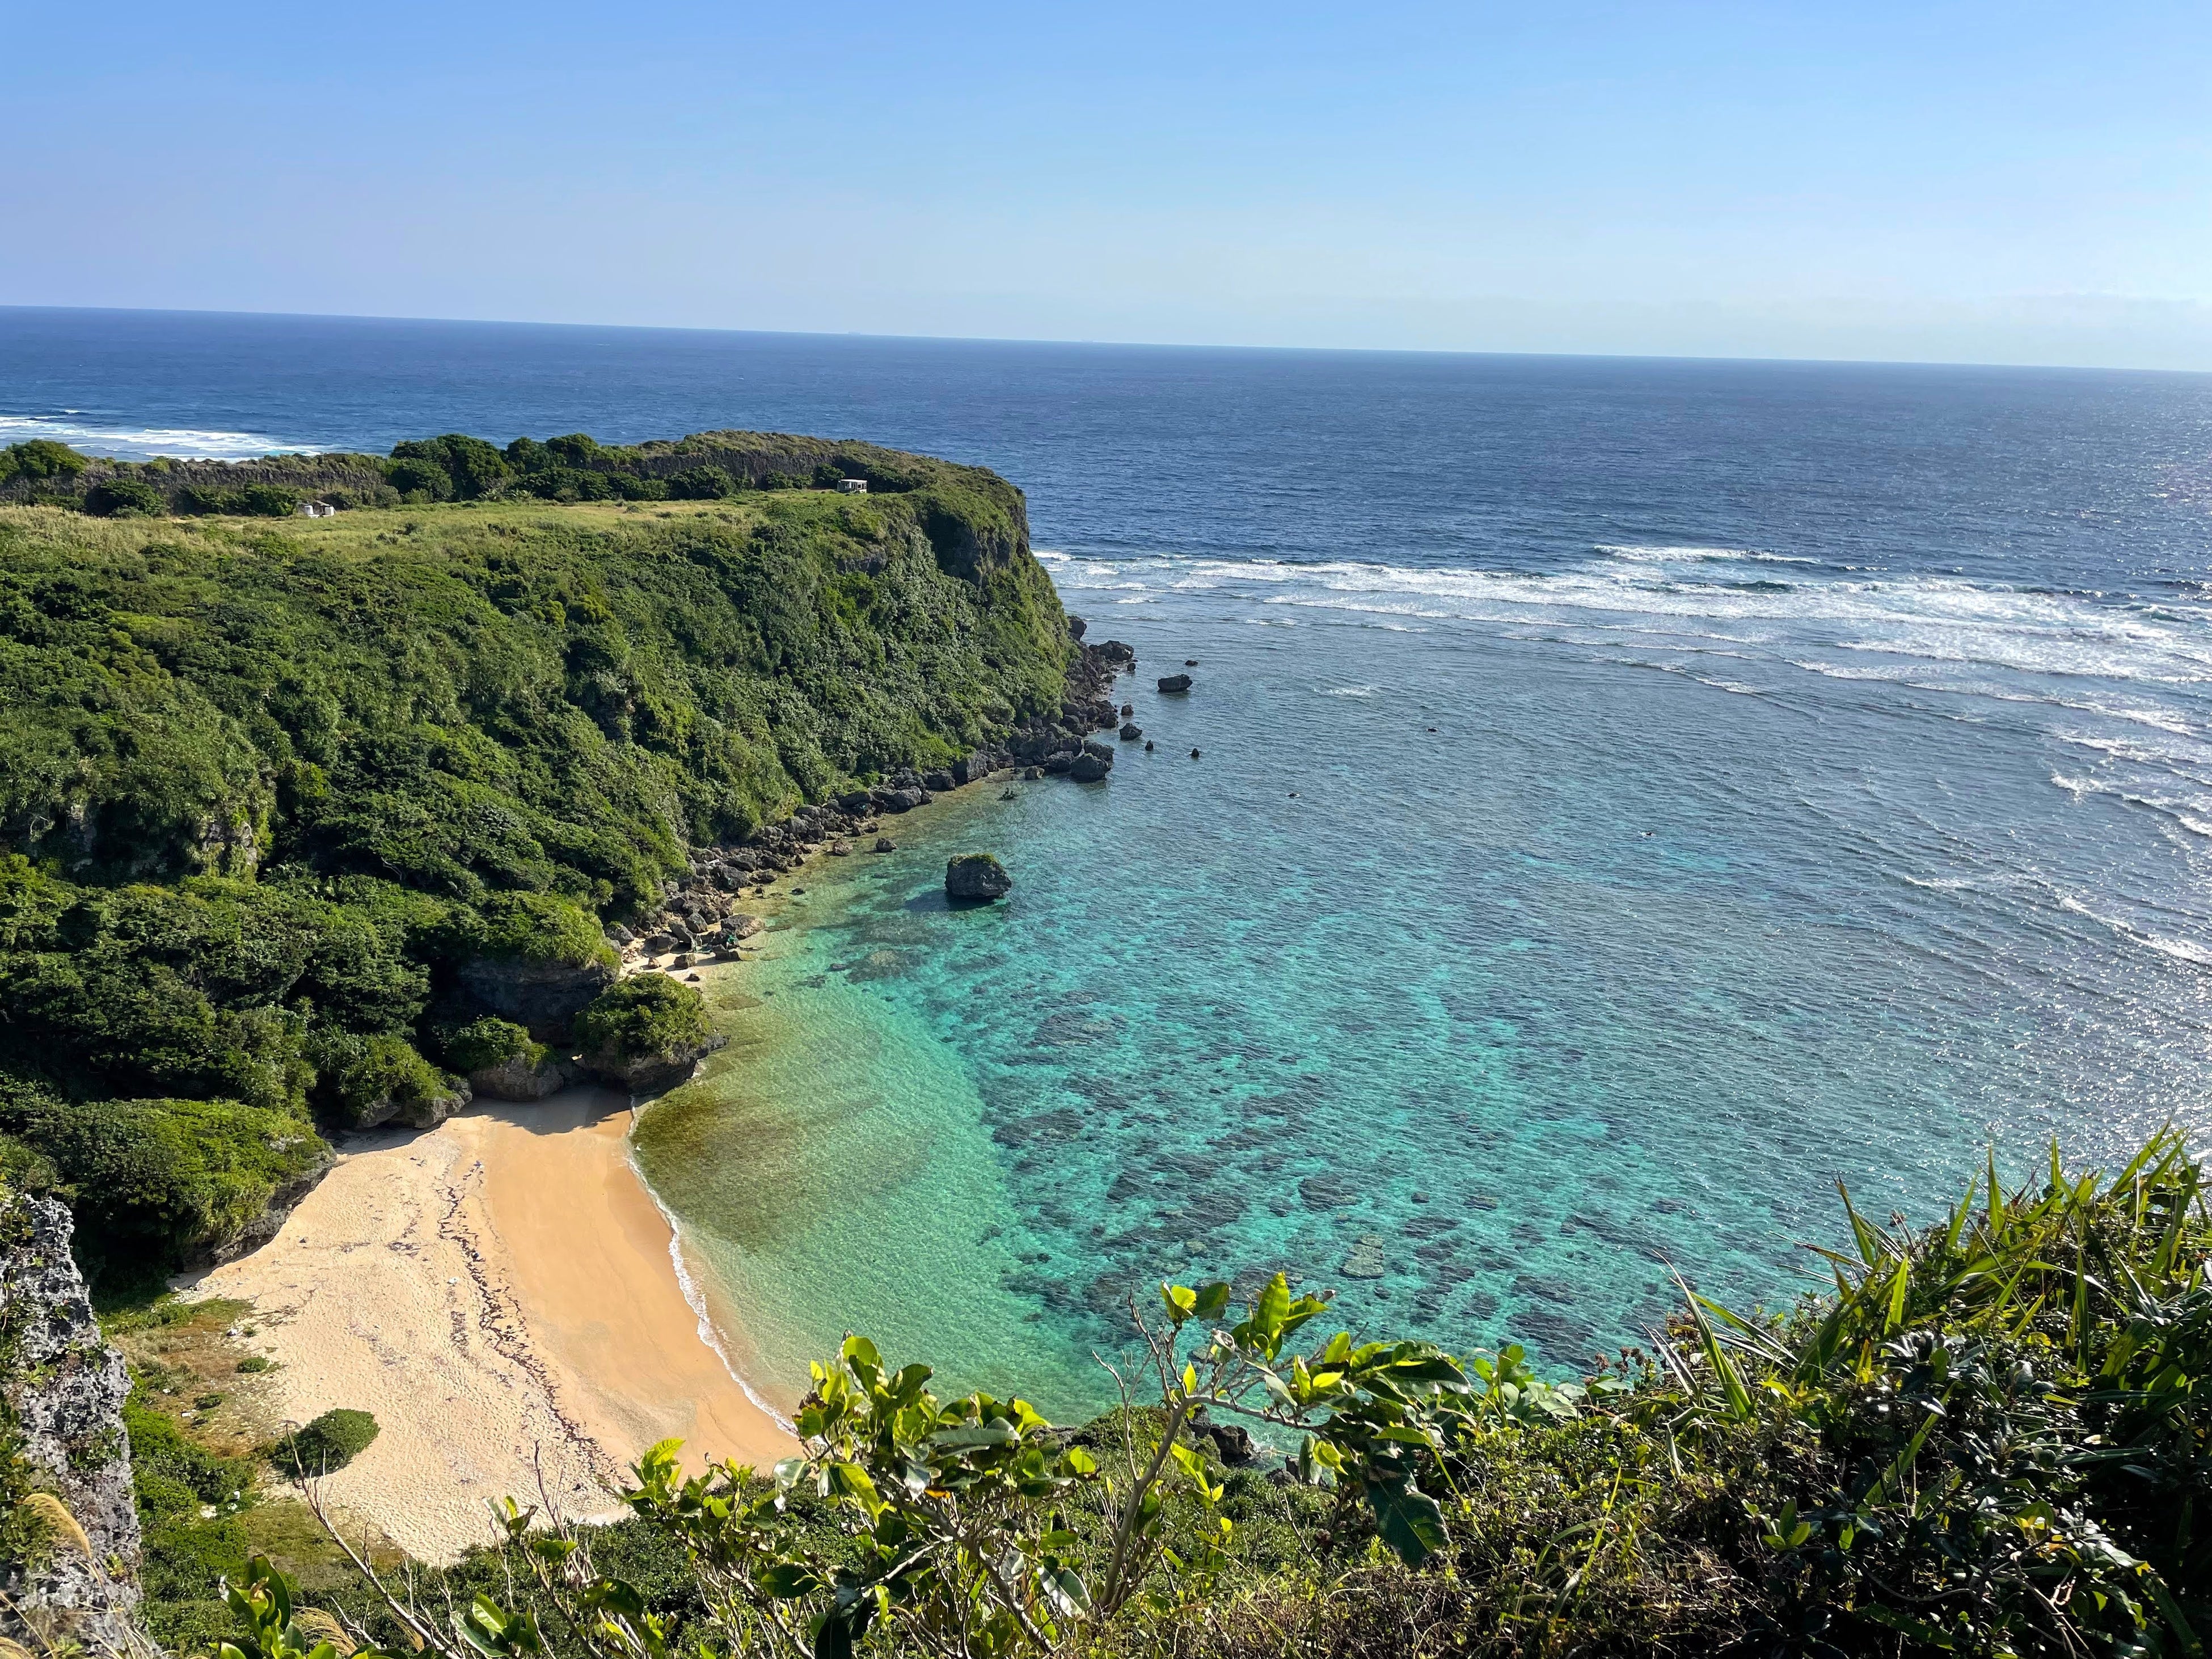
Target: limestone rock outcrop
64, 1387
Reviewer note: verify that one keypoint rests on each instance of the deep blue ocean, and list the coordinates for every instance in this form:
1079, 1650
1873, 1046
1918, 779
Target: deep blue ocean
1633, 794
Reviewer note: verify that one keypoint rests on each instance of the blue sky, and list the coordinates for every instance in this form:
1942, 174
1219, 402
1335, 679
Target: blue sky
2025, 183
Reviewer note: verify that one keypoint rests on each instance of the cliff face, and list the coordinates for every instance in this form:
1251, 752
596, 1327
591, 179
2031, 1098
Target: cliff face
63, 1390
282, 808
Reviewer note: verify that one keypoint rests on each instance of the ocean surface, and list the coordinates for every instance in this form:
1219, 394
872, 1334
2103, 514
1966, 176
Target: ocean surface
1632, 796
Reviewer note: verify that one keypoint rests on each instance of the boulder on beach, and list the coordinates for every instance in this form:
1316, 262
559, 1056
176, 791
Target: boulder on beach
885, 844
976, 877
523, 1077
939, 782
1175, 682
646, 1034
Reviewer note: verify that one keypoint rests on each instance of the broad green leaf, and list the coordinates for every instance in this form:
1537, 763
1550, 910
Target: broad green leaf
1409, 1520
1272, 1308
787, 1580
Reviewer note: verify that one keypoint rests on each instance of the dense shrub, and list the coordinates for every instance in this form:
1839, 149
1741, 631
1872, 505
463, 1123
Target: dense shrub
700, 483
39, 458
125, 497
199, 500
158, 1183
469, 467
645, 1015
368, 1078
325, 1445
268, 500
568, 484
420, 478
188, 1550
484, 1043
535, 927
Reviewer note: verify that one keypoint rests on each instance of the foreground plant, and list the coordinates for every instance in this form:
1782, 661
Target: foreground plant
1993, 1437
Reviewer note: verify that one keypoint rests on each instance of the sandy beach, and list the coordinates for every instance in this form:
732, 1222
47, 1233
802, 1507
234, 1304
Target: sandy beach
498, 1292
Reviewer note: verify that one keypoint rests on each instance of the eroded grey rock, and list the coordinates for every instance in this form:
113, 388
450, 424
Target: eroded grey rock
520, 1078
542, 996
64, 1387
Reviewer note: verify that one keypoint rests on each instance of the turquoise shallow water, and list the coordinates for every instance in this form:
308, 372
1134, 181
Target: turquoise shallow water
1537, 969
1820, 784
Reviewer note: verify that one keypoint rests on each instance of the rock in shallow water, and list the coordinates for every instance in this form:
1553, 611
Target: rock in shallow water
977, 876
1175, 682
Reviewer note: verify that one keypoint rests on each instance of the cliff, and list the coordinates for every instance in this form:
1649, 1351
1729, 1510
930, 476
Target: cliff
292, 802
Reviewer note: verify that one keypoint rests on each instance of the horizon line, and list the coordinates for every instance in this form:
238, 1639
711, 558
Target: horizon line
1115, 345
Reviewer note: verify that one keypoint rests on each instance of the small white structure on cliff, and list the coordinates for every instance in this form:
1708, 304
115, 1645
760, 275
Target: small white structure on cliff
852, 486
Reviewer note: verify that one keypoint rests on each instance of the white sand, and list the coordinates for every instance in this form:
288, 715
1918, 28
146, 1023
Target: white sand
498, 1292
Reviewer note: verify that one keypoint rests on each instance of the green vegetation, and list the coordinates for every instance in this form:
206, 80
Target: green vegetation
484, 1043
327, 1444
1994, 1437
279, 801
39, 461
157, 1177
706, 466
644, 1018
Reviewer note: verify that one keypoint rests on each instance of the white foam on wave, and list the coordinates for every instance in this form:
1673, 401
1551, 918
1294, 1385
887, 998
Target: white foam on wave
2194, 816
143, 442
1944, 634
1351, 692
2178, 949
2187, 760
1663, 555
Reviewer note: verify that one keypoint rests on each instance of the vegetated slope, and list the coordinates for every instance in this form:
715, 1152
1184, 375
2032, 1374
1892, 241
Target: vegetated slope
265, 787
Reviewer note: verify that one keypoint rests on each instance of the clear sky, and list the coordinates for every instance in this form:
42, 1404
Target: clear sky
2017, 182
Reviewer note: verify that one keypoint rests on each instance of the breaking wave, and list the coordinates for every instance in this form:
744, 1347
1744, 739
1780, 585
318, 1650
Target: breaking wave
142, 443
